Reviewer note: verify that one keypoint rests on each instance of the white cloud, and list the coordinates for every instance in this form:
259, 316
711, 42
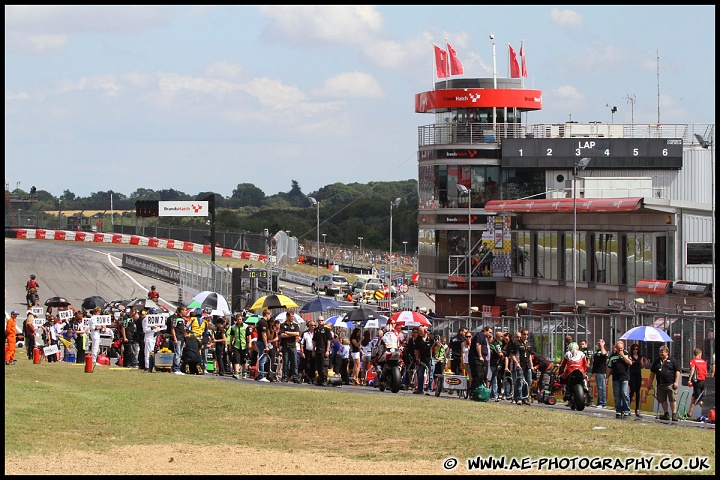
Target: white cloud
223, 69
33, 44
44, 28
566, 18
567, 92
9, 96
321, 25
350, 85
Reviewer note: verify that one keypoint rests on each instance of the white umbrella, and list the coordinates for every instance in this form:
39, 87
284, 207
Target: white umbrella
283, 315
646, 334
337, 321
213, 300
374, 323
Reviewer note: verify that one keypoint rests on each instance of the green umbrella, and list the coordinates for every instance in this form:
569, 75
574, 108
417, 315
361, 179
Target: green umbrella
194, 304
252, 320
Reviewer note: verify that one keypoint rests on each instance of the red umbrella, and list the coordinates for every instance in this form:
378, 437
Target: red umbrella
407, 316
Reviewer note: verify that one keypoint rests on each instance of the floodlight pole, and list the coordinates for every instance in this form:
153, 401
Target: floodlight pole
393, 204
211, 208
579, 165
317, 240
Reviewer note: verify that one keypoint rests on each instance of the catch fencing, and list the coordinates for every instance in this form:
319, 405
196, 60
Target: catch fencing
547, 332
197, 276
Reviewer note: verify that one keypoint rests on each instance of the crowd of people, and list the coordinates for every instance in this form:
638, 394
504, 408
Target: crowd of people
273, 350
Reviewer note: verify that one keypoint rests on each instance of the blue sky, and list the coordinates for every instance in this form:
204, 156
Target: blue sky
203, 98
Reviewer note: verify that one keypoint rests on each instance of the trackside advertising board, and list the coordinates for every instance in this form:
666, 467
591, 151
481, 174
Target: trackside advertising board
183, 209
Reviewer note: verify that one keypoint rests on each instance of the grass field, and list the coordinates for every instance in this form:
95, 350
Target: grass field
114, 409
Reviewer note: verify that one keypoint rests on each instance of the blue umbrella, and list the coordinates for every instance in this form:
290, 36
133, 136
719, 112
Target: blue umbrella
319, 304
337, 321
646, 334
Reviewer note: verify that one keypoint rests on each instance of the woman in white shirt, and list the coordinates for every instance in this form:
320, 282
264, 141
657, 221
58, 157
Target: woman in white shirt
366, 346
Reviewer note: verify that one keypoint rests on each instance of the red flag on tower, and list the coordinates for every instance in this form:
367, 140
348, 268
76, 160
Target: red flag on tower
514, 66
441, 63
456, 67
522, 59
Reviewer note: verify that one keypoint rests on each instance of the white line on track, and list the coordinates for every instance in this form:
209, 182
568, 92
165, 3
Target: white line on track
110, 257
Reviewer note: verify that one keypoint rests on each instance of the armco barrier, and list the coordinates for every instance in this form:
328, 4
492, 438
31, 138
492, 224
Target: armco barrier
118, 238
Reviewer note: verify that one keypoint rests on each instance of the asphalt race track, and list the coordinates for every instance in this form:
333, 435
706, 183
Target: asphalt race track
79, 270
76, 271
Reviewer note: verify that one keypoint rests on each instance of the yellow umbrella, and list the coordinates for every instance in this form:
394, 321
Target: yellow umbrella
273, 301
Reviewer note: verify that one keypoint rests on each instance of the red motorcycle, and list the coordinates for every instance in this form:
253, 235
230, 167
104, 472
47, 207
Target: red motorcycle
388, 356
32, 298
573, 373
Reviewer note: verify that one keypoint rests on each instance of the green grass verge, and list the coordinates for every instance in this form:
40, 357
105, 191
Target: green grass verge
109, 407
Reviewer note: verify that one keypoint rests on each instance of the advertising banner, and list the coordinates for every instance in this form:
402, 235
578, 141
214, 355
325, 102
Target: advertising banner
184, 209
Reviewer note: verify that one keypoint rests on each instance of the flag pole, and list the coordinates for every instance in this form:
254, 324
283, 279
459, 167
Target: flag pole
509, 60
434, 66
522, 63
448, 69
522, 73
492, 37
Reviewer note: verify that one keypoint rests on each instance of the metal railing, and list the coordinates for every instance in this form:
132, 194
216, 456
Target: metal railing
547, 332
485, 133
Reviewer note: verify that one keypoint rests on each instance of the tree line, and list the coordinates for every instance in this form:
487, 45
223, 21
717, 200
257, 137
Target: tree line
347, 211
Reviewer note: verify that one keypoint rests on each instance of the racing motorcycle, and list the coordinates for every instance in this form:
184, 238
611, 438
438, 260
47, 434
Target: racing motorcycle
576, 389
389, 363
32, 298
573, 370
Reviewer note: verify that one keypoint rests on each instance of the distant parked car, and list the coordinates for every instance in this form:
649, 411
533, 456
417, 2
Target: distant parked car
357, 286
361, 281
331, 284
368, 290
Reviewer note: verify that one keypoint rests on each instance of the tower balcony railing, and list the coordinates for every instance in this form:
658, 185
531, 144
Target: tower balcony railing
467, 133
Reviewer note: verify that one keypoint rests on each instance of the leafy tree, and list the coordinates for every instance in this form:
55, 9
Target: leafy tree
173, 195
277, 202
68, 196
229, 219
248, 194
347, 211
337, 194
219, 199
144, 194
296, 197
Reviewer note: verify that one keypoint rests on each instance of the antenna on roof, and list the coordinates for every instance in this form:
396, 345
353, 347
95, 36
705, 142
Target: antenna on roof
658, 83
631, 100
